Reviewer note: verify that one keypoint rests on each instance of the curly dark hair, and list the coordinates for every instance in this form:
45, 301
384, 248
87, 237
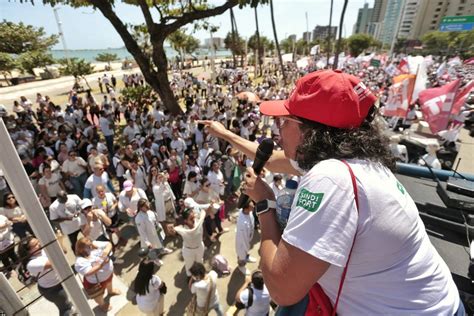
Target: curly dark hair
323, 142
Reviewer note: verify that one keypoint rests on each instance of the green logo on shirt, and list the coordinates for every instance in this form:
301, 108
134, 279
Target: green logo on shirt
309, 201
400, 187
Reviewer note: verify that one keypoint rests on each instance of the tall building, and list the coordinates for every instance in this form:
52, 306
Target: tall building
378, 14
409, 19
321, 32
364, 18
430, 13
218, 42
307, 36
292, 37
392, 17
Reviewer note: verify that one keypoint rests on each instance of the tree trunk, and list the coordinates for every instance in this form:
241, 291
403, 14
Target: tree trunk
329, 35
87, 82
338, 45
259, 45
276, 42
161, 83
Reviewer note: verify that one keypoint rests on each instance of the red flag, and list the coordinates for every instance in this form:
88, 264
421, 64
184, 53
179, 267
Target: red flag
397, 101
436, 105
461, 96
469, 61
403, 66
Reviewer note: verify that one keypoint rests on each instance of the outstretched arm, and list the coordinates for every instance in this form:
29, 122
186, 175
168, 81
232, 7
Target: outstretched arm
277, 163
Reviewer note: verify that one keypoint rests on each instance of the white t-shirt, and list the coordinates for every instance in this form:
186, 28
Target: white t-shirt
261, 302
244, 234
201, 289
106, 203
46, 278
93, 181
70, 208
147, 303
192, 238
6, 235
83, 265
76, 167
394, 269
104, 124
52, 184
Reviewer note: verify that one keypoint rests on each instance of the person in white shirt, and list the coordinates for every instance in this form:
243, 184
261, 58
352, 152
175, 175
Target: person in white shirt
149, 229
204, 286
94, 264
243, 237
191, 232
277, 184
254, 296
150, 290
96, 222
106, 124
100, 176
66, 211
130, 131
137, 174
50, 184
164, 197
7, 247
216, 178
39, 266
178, 144
129, 197
76, 170
191, 186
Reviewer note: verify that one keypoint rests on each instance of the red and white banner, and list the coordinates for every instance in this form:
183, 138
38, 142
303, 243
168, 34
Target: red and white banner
461, 97
397, 101
436, 105
403, 66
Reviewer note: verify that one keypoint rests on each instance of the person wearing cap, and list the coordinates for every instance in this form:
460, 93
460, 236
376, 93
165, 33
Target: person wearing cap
66, 211
96, 222
129, 197
327, 132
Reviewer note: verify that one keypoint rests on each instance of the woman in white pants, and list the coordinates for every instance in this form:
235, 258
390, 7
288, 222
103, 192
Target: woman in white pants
191, 231
150, 290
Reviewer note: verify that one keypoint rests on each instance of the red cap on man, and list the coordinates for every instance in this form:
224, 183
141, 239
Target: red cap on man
328, 97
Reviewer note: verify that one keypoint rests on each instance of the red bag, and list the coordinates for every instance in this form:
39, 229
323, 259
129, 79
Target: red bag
319, 303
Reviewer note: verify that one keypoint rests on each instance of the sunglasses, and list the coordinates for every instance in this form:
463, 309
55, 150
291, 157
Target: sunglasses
10, 197
280, 121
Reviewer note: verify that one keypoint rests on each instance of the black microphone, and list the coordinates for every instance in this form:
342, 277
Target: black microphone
264, 152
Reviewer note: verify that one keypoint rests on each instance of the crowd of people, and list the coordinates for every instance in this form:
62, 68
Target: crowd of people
100, 165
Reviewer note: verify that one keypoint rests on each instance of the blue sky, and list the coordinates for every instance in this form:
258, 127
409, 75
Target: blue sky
85, 28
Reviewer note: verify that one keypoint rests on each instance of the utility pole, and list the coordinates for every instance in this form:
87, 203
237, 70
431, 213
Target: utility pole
61, 33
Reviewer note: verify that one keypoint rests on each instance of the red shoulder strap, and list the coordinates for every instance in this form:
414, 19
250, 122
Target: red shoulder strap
344, 272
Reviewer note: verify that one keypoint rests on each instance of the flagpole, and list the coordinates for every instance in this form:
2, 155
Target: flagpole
413, 92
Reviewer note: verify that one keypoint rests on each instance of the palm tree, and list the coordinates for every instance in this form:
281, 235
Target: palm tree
339, 40
276, 41
259, 45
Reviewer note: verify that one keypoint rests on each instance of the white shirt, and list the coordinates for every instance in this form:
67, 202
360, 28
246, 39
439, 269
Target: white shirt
84, 265
394, 269
179, 145
192, 237
11, 212
76, 167
147, 303
201, 289
104, 124
216, 179
147, 226
244, 234
6, 234
130, 132
72, 207
106, 203
52, 184
93, 181
36, 267
261, 301
130, 203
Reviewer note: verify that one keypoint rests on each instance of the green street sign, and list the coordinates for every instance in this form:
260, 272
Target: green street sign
457, 19
457, 23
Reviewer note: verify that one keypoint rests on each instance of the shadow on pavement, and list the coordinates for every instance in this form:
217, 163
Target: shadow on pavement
183, 297
236, 281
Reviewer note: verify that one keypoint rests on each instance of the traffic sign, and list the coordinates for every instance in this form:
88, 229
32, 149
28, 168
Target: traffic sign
457, 23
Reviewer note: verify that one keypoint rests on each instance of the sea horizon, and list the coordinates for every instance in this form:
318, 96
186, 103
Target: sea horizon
122, 53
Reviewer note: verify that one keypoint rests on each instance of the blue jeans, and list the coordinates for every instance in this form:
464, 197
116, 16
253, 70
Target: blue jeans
461, 311
58, 296
78, 184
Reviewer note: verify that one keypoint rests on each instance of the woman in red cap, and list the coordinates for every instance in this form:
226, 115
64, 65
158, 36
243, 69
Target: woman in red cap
353, 228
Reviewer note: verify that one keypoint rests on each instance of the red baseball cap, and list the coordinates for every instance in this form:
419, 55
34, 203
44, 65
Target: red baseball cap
328, 97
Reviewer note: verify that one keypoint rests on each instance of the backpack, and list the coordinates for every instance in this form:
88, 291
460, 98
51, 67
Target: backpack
220, 264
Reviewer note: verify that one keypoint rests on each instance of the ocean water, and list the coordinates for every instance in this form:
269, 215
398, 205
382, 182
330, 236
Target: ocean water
122, 53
